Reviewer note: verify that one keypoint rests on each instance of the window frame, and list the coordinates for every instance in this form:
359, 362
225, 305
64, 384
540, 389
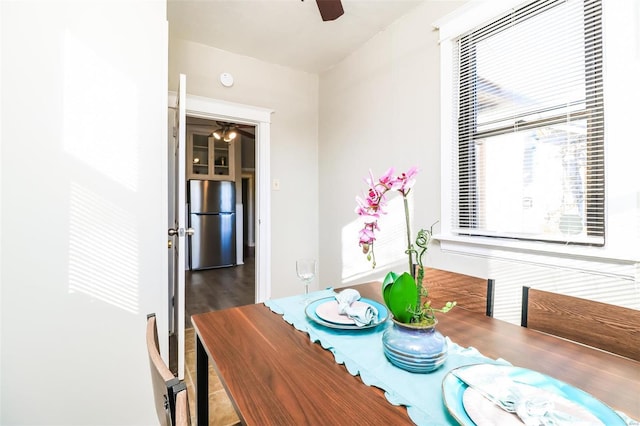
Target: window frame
470, 131
621, 244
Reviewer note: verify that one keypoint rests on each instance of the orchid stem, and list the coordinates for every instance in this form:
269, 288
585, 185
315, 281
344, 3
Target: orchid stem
409, 251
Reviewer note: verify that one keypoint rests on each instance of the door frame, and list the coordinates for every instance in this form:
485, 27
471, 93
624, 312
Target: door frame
249, 207
215, 109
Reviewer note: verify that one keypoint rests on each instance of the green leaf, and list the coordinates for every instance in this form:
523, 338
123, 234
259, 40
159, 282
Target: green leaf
402, 297
386, 286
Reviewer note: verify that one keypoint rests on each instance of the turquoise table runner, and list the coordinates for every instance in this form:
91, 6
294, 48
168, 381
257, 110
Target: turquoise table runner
362, 354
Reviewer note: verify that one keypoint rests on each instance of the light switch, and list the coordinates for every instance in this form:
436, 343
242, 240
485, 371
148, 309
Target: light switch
275, 185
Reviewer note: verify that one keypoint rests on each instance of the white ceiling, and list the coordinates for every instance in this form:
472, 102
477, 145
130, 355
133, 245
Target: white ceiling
284, 32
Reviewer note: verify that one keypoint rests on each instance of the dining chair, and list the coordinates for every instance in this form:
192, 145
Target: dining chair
471, 293
608, 327
183, 415
170, 393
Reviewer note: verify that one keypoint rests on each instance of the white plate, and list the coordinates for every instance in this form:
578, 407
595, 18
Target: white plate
484, 412
328, 311
310, 311
454, 393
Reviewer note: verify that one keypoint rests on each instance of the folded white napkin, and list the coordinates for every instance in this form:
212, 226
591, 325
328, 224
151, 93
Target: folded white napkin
362, 314
345, 298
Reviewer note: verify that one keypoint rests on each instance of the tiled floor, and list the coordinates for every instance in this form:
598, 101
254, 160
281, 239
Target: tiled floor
212, 290
221, 411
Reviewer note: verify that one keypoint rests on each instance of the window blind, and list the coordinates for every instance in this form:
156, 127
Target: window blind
529, 118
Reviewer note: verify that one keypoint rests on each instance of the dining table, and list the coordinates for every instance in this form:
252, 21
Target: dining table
276, 374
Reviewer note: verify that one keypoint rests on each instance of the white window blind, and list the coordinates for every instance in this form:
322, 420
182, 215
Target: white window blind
528, 116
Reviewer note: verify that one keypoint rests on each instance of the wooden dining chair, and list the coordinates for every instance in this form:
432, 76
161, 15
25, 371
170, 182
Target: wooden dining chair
183, 415
471, 293
612, 328
170, 393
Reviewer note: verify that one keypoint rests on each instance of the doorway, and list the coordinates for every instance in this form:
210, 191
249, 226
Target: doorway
215, 288
213, 109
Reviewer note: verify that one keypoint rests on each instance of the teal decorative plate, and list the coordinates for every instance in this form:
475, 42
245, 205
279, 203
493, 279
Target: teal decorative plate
310, 311
453, 390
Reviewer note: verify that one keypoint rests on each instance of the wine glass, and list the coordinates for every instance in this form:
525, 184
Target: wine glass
306, 270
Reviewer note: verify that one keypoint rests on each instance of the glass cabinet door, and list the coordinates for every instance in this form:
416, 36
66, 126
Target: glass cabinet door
209, 158
200, 155
221, 158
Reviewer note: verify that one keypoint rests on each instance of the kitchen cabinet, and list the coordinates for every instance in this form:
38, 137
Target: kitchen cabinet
209, 158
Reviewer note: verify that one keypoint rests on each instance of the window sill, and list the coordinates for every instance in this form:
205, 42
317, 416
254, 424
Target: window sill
589, 259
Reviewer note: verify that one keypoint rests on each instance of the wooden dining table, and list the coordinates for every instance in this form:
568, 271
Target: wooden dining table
275, 375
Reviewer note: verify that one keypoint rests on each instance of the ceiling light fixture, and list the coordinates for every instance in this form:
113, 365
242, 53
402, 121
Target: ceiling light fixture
226, 133
231, 134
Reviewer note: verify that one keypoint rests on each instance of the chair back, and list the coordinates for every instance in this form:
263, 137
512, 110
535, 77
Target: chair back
608, 327
166, 387
471, 293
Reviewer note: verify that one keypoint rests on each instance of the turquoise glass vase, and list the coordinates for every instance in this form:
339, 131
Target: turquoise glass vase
414, 348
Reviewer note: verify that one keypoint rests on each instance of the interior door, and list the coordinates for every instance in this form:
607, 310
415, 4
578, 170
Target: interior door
178, 231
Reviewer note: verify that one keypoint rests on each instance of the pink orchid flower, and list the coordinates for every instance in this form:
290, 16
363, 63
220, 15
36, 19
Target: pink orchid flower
367, 236
372, 206
407, 180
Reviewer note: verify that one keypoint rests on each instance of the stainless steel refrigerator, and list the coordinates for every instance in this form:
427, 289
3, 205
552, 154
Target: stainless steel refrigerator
212, 216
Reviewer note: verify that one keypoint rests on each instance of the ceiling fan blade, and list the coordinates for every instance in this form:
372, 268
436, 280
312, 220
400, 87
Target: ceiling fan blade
330, 9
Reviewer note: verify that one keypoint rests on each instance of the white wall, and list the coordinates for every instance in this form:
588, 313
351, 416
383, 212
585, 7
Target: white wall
84, 87
380, 107
293, 95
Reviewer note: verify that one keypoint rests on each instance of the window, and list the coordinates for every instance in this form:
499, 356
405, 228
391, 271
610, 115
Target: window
527, 126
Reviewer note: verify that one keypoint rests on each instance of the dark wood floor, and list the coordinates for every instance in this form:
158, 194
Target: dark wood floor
212, 290
220, 288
